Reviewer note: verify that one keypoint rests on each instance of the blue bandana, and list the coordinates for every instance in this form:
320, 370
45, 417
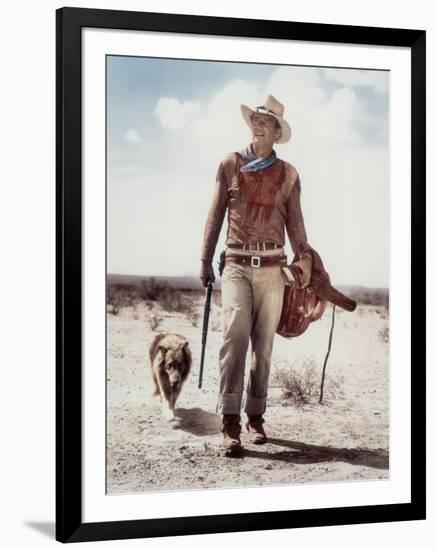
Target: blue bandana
254, 163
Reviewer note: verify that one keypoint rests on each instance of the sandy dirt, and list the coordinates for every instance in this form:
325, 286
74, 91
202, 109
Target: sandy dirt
344, 438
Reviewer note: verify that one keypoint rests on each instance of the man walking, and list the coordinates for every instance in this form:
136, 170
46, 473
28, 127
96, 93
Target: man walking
261, 194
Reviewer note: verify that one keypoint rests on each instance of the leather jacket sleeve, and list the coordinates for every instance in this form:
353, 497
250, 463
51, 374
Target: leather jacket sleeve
215, 217
298, 237
295, 224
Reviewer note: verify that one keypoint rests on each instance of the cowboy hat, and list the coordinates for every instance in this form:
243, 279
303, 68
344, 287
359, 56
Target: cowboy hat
273, 108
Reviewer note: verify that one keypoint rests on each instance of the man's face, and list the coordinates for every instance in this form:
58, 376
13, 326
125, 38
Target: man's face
264, 129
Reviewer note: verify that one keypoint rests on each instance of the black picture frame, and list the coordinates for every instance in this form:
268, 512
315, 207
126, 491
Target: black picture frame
69, 524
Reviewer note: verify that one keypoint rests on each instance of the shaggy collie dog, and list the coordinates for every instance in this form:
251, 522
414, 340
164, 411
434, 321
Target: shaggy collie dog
170, 360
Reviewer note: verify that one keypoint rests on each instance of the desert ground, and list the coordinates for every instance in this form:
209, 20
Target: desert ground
344, 438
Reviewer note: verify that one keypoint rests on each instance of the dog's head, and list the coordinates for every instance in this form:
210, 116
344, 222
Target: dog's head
176, 361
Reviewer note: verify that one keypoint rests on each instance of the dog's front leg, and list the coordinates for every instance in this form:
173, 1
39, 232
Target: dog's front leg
167, 410
173, 399
165, 391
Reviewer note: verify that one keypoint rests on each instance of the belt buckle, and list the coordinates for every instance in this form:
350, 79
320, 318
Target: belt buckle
255, 261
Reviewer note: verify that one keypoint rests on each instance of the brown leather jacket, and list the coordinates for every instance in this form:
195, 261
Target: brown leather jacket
259, 204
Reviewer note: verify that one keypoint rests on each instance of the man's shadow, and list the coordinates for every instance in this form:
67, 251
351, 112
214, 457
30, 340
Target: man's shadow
200, 422
302, 453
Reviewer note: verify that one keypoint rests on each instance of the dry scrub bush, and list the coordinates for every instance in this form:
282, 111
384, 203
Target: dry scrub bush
173, 300
371, 296
151, 289
154, 320
384, 335
300, 382
119, 296
383, 313
151, 292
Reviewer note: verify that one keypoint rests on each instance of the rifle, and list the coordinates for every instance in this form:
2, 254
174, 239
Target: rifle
321, 286
205, 328
326, 291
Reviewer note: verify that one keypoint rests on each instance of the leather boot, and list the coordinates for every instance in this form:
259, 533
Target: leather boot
254, 426
231, 432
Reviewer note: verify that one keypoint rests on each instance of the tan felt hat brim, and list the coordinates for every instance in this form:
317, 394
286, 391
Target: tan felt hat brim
247, 113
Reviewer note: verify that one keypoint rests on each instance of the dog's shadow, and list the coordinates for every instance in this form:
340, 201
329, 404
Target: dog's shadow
198, 422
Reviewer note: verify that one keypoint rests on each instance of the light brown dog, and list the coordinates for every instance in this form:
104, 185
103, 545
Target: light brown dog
170, 360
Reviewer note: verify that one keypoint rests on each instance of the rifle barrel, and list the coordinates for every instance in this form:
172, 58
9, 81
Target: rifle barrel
205, 329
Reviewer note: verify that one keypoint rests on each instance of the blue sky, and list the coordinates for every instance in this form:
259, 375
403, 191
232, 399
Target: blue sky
171, 121
135, 83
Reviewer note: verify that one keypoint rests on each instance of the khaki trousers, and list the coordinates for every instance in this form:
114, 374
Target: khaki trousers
252, 302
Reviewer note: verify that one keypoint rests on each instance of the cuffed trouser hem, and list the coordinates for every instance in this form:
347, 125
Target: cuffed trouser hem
229, 403
254, 406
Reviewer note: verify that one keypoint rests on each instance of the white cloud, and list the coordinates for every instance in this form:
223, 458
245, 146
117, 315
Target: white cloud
132, 136
313, 114
220, 128
174, 114
378, 80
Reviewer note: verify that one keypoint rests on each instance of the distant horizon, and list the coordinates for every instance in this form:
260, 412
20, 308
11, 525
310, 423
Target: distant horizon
197, 279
